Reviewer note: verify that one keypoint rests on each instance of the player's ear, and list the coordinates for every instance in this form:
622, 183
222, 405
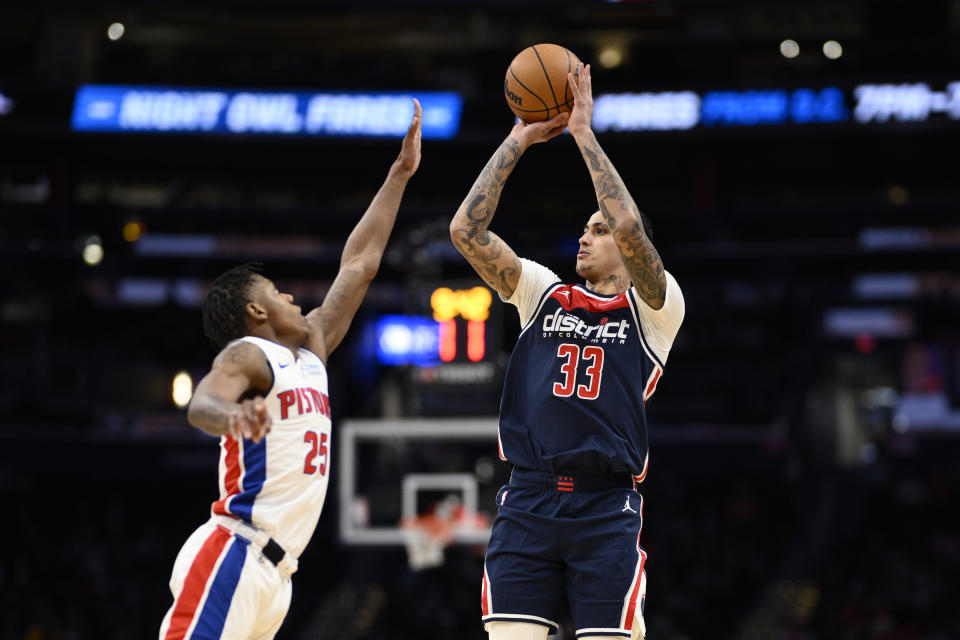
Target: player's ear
255, 311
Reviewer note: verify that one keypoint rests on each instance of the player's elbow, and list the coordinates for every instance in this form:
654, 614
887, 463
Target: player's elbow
365, 266
200, 419
194, 414
200, 413
460, 236
455, 228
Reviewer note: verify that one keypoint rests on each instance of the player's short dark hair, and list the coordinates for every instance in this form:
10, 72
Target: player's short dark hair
224, 308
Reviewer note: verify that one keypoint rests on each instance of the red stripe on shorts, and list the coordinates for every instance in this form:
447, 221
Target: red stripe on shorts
628, 623
185, 608
483, 594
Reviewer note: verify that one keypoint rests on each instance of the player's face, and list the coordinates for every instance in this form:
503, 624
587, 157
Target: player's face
284, 316
599, 256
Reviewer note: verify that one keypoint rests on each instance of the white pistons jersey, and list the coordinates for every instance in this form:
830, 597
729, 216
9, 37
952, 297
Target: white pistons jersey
279, 484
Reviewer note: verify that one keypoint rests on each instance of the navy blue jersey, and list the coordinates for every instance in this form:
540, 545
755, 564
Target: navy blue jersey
578, 379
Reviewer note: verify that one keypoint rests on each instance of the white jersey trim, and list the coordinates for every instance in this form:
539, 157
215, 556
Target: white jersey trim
643, 339
534, 282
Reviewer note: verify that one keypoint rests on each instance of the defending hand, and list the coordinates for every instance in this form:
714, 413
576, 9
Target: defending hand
409, 158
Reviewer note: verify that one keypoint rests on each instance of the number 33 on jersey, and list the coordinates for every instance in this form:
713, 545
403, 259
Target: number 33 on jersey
579, 377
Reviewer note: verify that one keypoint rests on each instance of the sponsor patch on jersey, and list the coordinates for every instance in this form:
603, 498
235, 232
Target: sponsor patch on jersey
568, 325
309, 367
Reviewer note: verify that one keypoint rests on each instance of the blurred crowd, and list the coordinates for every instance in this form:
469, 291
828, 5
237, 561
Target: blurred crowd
875, 549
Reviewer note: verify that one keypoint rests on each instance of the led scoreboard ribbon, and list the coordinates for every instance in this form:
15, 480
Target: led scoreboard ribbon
178, 110
685, 110
133, 109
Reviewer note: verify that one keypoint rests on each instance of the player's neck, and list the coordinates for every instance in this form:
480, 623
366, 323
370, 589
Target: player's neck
289, 342
614, 283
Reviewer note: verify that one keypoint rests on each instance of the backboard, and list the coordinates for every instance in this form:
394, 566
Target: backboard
392, 471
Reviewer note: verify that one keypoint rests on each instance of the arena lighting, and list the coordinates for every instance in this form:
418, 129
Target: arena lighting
773, 106
898, 195
448, 340
886, 286
407, 340
132, 231
182, 389
92, 251
832, 49
679, 110
166, 110
471, 304
880, 322
789, 48
683, 110
428, 341
135, 109
663, 111
115, 31
476, 340
906, 102
610, 56
6, 105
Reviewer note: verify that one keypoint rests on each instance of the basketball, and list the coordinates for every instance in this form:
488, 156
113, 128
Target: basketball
536, 85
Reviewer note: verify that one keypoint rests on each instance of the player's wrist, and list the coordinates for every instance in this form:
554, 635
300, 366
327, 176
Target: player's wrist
582, 134
399, 173
518, 142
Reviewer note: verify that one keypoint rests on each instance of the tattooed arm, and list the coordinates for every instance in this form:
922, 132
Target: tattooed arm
216, 407
490, 256
363, 250
617, 205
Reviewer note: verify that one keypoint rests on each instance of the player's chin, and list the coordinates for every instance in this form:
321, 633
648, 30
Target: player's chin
582, 268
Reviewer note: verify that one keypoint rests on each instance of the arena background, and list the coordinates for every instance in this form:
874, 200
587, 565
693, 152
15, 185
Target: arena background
804, 437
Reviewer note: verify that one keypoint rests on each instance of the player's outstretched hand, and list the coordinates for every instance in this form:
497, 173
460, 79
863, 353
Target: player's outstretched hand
582, 87
250, 420
409, 158
528, 134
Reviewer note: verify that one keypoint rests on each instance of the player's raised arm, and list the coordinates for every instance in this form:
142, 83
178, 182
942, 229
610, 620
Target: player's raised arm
364, 249
216, 407
490, 256
617, 205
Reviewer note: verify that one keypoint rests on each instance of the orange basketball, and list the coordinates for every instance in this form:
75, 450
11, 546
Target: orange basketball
536, 85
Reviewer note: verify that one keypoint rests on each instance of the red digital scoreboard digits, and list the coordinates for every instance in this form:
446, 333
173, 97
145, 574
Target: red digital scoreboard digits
453, 307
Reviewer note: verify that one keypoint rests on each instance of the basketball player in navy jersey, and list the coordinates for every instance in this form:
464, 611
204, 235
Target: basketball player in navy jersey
266, 397
572, 418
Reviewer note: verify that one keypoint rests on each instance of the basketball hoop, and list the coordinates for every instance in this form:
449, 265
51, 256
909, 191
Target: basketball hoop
427, 535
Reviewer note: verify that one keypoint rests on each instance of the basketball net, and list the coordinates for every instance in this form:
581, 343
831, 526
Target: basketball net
427, 535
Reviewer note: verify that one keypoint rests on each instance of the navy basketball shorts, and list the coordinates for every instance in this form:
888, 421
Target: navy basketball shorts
567, 537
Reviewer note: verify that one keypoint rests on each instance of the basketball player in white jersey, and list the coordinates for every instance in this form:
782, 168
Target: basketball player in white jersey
266, 397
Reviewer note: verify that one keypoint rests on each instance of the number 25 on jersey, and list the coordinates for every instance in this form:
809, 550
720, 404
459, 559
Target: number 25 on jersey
571, 356
318, 449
